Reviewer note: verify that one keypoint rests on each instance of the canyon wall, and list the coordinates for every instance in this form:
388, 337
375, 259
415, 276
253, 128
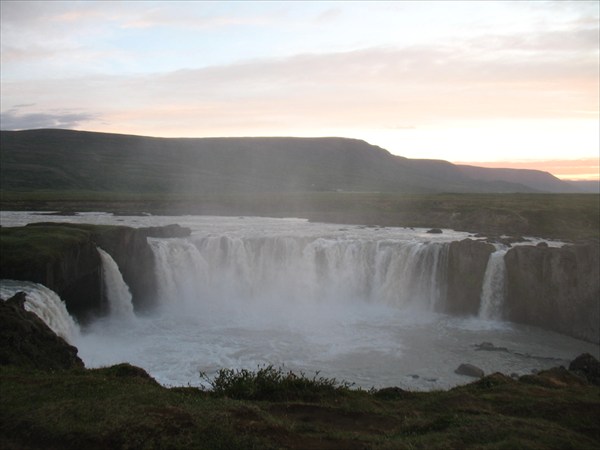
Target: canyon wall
555, 288
69, 266
130, 250
467, 261
74, 272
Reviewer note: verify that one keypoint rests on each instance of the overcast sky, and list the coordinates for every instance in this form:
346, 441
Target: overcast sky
504, 83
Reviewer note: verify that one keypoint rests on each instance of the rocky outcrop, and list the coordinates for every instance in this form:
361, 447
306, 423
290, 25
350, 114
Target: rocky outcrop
467, 261
588, 367
26, 341
555, 288
61, 258
77, 278
71, 266
469, 370
130, 250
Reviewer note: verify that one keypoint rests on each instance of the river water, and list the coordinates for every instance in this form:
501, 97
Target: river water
355, 303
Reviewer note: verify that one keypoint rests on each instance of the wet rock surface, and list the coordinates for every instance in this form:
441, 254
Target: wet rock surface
555, 288
25, 340
467, 261
469, 370
72, 268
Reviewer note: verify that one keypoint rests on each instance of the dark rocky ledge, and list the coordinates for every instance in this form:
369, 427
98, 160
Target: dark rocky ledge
555, 288
64, 258
26, 341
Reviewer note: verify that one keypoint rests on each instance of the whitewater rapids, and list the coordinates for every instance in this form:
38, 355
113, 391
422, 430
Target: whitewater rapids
356, 303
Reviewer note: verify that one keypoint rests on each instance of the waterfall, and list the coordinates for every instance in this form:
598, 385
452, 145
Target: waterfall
46, 304
411, 274
181, 271
493, 289
117, 291
299, 270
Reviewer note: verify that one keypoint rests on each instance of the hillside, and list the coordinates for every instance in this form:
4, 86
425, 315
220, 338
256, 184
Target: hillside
65, 160
589, 186
536, 179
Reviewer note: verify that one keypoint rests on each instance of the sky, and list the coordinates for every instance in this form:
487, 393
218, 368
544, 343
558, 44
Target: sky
500, 84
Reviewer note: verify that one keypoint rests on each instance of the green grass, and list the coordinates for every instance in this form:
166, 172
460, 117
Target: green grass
121, 407
42, 244
22, 245
269, 383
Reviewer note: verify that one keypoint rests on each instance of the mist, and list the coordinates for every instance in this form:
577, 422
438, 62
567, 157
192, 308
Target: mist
366, 305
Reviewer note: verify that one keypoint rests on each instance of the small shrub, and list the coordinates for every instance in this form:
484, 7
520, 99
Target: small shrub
269, 383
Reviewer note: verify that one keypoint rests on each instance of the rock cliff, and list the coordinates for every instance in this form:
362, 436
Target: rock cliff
467, 260
64, 258
25, 340
130, 250
61, 257
555, 288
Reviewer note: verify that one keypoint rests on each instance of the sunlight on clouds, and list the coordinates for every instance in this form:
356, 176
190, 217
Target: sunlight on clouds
496, 140
570, 169
460, 81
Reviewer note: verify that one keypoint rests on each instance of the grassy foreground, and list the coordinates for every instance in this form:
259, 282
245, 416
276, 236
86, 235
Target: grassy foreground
562, 216
121, 407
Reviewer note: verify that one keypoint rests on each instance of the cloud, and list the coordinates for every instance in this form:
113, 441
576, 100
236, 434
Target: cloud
548, 73
178, 17
329, 15
13, 120
374, 87
410, 83
45, 19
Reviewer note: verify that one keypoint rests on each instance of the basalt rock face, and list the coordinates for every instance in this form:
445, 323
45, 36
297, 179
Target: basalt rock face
588, 367
25, 340
71, 268
467, 261
74, 271
77, 278
555, 288
130, 250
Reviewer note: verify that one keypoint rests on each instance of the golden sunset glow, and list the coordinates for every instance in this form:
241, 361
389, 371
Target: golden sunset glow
576, 169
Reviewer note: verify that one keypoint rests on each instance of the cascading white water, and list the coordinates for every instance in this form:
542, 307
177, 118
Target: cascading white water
299, 271
46, 304
338, 299
181, 270
117, 291
493, 289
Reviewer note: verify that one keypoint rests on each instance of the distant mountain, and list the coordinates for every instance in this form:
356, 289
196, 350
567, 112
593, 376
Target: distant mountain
536, 179
79, 160
591, 186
